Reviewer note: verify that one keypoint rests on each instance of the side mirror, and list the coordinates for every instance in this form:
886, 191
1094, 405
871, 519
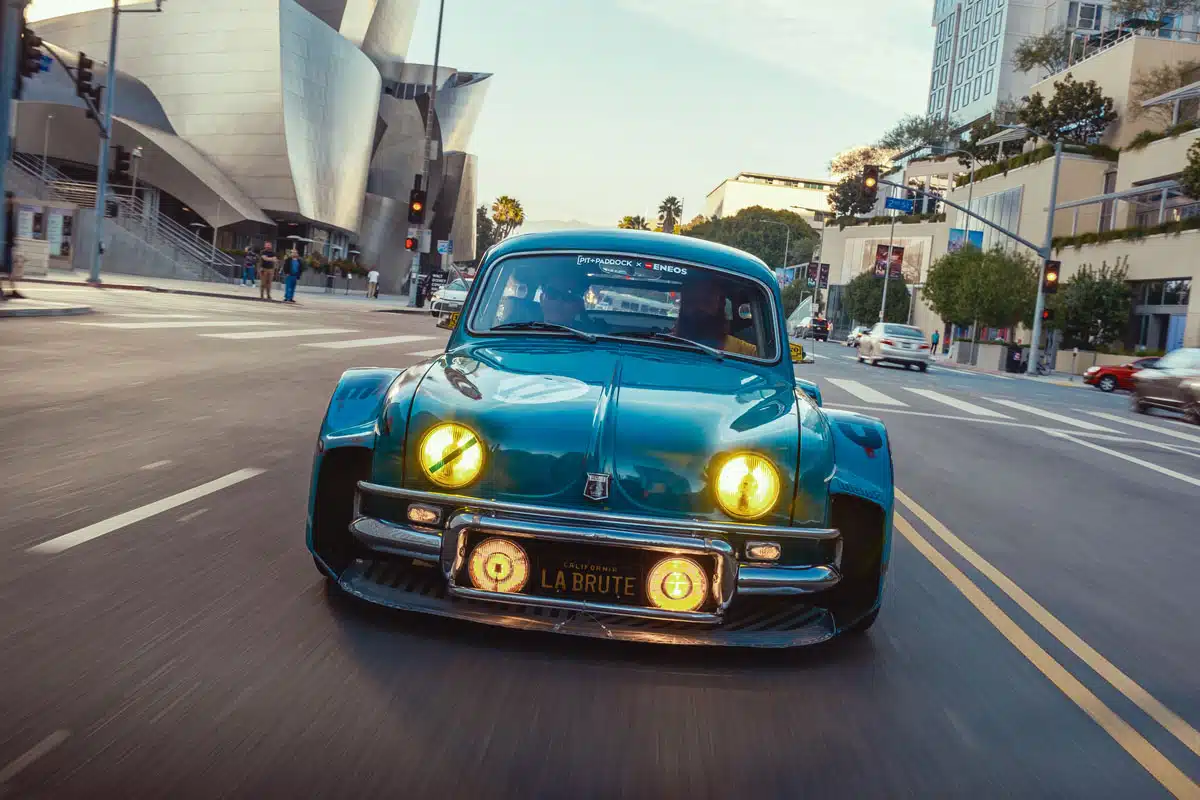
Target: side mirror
810, 389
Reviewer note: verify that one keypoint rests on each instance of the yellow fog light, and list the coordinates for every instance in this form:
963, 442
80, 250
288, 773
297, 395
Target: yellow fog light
677, 584
747, 486
763, 551
498, 565
451, 455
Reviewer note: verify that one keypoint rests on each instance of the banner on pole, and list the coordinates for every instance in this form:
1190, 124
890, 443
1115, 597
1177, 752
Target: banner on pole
881, 261
960, 238
823, 282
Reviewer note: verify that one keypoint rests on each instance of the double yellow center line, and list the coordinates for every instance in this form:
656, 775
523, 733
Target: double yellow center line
1162, 769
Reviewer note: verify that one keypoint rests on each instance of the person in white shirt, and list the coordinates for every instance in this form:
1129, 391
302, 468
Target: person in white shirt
373, 283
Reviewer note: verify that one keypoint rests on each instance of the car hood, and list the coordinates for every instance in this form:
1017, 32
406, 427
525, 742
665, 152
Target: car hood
653, 418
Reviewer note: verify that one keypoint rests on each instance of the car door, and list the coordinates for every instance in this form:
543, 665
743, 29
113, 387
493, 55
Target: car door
1184, 370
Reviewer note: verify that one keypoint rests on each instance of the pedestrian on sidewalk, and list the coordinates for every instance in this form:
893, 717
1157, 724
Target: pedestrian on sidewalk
248, 262
291, 275
373, 283
7, 261
935, 343
266, 269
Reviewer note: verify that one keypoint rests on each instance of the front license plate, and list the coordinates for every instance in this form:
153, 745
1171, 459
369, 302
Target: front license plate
602, 580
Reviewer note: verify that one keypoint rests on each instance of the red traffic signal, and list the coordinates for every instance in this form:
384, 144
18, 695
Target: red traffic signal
410, 243
1047, 314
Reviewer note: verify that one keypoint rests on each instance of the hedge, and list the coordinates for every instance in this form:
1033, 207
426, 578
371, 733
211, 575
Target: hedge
1099, 151
1127, 234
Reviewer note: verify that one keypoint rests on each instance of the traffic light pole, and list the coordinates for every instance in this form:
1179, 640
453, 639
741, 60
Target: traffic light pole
415, 271
10, 46
1047, 251
887, 268
110, 83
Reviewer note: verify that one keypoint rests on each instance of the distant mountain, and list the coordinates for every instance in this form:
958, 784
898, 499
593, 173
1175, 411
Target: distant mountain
542, 225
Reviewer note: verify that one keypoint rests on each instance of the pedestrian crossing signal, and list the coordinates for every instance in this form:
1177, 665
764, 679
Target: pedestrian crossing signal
1047, 315
410, 243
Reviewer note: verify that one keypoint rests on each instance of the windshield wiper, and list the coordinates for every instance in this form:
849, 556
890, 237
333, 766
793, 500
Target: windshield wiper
533, 325
670, 337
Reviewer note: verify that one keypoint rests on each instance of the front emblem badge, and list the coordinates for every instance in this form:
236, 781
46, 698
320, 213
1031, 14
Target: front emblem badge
597, 486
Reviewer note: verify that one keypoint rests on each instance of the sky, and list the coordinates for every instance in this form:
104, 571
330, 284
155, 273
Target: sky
602, 108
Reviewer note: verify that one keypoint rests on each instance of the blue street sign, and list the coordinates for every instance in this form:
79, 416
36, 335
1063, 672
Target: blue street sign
899, 204
46, 62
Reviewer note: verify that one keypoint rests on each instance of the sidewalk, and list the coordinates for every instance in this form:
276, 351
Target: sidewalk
304, 294
1055, 378
25, 307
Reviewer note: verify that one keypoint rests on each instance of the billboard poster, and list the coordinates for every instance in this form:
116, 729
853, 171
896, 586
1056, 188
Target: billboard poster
959, 238
25, 221
823, 283
881, 260
811, 273
54, 231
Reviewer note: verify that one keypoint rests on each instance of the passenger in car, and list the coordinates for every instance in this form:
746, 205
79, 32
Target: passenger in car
702, 318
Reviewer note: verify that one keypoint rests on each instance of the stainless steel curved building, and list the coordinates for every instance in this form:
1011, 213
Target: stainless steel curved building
282, 112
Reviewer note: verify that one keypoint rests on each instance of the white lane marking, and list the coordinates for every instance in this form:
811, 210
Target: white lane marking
972, 373
160, 316
428, 353
366, 342
864, 392
98, 529
191, 516
155, 465
1038, 412
852, 358
200, 323
1170, 473
817, 355
1137, 423
278, 334
954, 402
18, 764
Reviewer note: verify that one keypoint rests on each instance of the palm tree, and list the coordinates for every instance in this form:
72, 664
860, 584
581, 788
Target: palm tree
669, 212
508, 216
633, 223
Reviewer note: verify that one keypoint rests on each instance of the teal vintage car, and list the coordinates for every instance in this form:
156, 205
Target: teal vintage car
613, 444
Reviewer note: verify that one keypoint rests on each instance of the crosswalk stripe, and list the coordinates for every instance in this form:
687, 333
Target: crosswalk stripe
278, 334
1038, 412
865, 393
349, 343
177, 323
161, 316
1137, 423
954, 402
428, 353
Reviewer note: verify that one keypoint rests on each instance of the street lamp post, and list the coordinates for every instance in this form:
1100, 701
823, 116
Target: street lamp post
136, 154
786, 242
46, 145
1047, 252
415, 274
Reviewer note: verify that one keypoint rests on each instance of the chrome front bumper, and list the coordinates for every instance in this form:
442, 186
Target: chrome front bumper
446, 547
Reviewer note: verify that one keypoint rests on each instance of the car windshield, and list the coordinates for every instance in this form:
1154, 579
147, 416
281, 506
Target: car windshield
1184, 358
903, 330
631, 297
457, 285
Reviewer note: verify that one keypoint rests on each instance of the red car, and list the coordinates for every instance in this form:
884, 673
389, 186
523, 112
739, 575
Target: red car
1106, 379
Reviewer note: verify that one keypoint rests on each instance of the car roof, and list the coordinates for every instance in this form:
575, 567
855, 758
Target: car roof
647, 243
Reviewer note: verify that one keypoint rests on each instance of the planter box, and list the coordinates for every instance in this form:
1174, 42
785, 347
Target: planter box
960, 353
991, 356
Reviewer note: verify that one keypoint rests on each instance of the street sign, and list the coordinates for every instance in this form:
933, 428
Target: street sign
899, 204
426, 239
445, 246
47, 60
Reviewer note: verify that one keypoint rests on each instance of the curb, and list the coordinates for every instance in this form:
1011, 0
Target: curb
134, 287
67, 311
1018, 376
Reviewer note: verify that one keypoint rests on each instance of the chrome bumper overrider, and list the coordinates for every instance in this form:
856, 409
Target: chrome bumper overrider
446, 547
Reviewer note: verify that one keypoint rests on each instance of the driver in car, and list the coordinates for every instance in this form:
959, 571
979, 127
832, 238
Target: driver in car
562, 299
702, 318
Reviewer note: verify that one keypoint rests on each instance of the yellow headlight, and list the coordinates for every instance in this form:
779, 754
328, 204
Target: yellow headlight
676, 584
451, 455
747, 486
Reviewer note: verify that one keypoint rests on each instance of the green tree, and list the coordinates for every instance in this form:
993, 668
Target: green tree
1092, 307
864, 294
793, 295
1189, 179
507, 215
995, 289
1078, 112
669, 212
851, 162
1153, 10
1158, 81
914, 130
633, 223
485, 231
747, 231
1049, 51
847, 198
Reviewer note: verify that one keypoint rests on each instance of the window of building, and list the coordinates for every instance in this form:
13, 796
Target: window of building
1084, 16
992, 53
987, 80
1176, 292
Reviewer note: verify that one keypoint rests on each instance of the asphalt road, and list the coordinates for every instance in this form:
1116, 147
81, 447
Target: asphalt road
1038, 637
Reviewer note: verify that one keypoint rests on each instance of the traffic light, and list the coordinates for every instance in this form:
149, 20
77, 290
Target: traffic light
94, 93
123, 162
1050, 277
1047, 315
31, 53
416, 206
870, 182
83, 76
410, 243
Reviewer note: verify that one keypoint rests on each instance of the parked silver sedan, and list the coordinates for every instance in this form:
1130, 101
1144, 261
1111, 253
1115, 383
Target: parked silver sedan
894, 343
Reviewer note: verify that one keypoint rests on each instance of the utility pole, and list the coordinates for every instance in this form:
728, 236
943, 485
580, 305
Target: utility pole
887, 268
10, 46
110, 83
1046, 253
46, 145
414, 272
